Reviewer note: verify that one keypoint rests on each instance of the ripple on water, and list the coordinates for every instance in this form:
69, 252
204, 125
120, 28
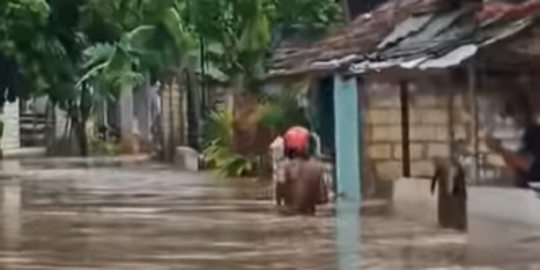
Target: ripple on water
153, 220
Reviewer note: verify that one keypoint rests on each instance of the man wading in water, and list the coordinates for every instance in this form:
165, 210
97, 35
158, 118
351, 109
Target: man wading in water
303, 176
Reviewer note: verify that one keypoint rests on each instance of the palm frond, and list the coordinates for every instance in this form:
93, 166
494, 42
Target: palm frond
92, 73
97, 54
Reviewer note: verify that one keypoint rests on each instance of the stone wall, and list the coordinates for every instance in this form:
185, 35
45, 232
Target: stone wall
429, 123
172, 118
429, 128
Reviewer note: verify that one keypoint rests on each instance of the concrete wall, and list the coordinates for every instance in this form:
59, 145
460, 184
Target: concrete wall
11, 136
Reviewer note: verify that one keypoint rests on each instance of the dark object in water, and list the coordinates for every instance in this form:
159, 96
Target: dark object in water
451, 192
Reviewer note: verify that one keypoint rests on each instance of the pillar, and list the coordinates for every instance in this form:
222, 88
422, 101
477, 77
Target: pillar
348, 168
11, 139
127, 138
142, 99
347, 138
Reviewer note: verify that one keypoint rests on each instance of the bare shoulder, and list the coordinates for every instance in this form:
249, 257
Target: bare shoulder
290, 163
316, 164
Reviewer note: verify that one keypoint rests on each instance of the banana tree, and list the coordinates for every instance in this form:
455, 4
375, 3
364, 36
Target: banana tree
158, 47
237, 36
161, 47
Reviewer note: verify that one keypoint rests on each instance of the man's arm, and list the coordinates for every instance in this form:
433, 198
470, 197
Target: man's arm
516, 161
513, 160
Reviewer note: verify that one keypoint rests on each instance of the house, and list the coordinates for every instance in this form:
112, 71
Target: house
24, 127
411, 79
394, 67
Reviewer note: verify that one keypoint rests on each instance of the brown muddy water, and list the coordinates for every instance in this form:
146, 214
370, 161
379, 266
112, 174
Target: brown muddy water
153, 218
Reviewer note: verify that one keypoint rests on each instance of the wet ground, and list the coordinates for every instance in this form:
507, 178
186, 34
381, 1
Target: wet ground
154, 218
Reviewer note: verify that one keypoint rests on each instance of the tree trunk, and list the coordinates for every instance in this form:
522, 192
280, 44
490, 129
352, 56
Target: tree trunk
79, 131
172, 134
193, 111
82, 138
127, 136
1, 138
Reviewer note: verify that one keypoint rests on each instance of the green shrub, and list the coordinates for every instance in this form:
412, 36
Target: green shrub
218, 150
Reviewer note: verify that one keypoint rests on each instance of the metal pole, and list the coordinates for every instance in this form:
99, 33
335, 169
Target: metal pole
474, 120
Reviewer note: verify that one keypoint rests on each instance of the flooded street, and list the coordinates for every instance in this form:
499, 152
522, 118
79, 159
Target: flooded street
153, 218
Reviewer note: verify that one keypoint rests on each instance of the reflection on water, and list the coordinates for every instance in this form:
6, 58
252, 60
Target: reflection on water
506, 222
347, 234
11, 213
153, 219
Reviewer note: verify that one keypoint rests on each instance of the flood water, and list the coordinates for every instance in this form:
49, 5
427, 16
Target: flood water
153, 218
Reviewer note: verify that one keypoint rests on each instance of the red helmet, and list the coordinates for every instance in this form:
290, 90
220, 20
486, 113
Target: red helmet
297, 138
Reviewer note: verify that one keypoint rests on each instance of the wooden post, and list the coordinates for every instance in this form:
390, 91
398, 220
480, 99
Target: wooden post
451, 123
348, 171
405, 142
474, 123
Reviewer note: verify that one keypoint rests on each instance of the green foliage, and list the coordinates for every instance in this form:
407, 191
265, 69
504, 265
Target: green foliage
159, 45
225, 162
145, 34
317, 15
19, 42
103, 148
152, 35
237, 35
219, 152
281, 113
80, 53
274, 113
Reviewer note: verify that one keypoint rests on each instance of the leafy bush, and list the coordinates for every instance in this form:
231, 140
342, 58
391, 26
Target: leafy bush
279, 113
272, 116
219, 152
100, 147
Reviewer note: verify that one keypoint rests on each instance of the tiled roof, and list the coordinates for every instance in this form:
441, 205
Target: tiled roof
370, 31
